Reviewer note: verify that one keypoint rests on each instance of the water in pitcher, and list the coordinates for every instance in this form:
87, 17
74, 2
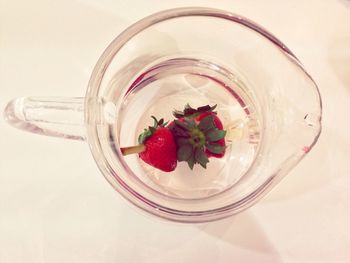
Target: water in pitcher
171, 84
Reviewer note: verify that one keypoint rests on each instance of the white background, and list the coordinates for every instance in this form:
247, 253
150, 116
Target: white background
55, 206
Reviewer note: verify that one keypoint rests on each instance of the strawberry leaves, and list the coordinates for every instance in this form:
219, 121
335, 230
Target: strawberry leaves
201, 157
215, 135
184, 152
147, 133
215, 148
207, 123
194, 138
191, 112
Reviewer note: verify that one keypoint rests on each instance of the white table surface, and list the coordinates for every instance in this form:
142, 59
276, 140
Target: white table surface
55, 206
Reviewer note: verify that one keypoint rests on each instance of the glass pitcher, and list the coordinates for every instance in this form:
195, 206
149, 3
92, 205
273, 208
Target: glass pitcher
270, 107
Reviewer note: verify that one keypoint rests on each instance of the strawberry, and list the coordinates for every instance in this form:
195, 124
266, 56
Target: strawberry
198, 134
194, 136
160, 150
156, 147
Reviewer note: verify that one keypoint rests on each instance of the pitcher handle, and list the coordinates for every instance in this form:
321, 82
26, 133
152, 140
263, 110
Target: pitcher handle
52, 116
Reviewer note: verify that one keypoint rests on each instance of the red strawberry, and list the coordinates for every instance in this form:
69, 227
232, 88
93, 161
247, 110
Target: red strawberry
156, 147
160, 150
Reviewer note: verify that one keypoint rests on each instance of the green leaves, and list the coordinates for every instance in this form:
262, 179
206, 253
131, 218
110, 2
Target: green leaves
183, 125
191, 162
215, 148
192, 112
201, 157
144, 136
192, 155
187, 152
215, 135
184, 152
178, 130
207, 123
151, 129
206, 108
194, 138
178, 114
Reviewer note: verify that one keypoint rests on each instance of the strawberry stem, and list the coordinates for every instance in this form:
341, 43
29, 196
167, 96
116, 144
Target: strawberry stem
133, 149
